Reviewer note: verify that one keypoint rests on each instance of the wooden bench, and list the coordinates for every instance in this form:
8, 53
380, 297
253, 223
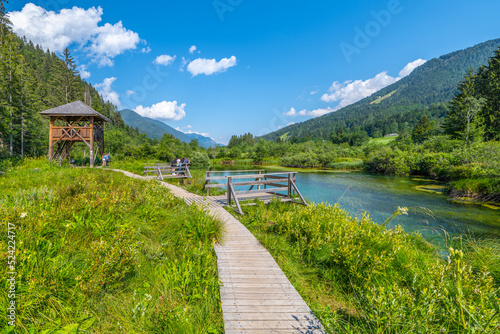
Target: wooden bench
168, 171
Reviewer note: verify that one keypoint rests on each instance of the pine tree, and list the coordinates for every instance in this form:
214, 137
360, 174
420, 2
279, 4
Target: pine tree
69, 76
464, 118
422, 129
491, 89
8, 89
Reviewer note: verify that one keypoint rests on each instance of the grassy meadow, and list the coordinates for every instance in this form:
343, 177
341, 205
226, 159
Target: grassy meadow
98, 252
359, 277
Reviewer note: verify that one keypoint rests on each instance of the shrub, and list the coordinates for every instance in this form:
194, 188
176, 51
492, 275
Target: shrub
200, 159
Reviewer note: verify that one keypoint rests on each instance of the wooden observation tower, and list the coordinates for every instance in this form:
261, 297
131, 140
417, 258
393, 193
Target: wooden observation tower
72, 123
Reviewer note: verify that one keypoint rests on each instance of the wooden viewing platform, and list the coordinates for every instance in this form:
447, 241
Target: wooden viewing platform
256, 295
268, 185
72, 123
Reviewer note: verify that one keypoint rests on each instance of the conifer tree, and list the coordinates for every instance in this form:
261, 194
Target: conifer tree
69, 76
422, 129
491, 94
465, 119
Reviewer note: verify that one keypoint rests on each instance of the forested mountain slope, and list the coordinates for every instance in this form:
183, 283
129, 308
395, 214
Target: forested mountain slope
156, 129
426, 91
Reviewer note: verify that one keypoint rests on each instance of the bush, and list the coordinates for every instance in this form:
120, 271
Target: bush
200, 159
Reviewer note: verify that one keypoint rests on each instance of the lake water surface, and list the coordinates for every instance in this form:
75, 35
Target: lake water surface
428, 213
379, 195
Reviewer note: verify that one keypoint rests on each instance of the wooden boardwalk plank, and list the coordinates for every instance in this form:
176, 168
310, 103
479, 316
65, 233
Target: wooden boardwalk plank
256, 295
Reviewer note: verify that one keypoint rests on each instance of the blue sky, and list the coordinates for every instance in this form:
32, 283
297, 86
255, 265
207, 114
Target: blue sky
224, 67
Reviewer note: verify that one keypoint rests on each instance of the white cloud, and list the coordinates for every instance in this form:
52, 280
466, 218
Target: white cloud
56, 31
312, 113
204, 134
411, 66
164, 60
107, 93
187, 127
192, 49
146, 50
210, 66
352, 91
349, 92
53, 30
291, 112
84, 74
168, 110
183, 64
314, 91
130, 92
111, 41
319, 112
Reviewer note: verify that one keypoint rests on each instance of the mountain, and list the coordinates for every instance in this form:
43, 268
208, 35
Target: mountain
156, 129
426, 90
203, 141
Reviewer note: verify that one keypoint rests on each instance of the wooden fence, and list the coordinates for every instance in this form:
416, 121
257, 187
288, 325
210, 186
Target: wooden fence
267, 183
166, 171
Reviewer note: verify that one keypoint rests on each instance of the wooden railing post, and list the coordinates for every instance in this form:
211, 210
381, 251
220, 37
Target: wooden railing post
147, 169
229, 180
289, 195
207, 182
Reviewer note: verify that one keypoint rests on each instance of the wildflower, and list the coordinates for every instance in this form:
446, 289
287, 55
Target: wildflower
24, 214
403, 210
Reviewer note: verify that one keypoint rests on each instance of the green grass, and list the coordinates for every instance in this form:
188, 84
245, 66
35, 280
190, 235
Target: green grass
381, 140
380, 99
359, 277
98, 252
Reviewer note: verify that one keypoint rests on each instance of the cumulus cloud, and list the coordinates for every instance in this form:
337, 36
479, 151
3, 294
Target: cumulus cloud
187, 127
411, 66
291, 112
56, 31
192, 49
349, 92
84, 74
164, 60
130, 92
210, 66
108, 94
168, 110
111, 41
312, 113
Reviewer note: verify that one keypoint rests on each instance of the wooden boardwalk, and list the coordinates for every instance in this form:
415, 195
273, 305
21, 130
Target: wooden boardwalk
256, 295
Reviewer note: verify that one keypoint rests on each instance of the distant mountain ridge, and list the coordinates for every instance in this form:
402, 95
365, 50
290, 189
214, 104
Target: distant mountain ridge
156, 129
429, 86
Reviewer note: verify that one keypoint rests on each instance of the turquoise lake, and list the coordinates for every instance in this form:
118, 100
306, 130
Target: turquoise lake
431, 214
